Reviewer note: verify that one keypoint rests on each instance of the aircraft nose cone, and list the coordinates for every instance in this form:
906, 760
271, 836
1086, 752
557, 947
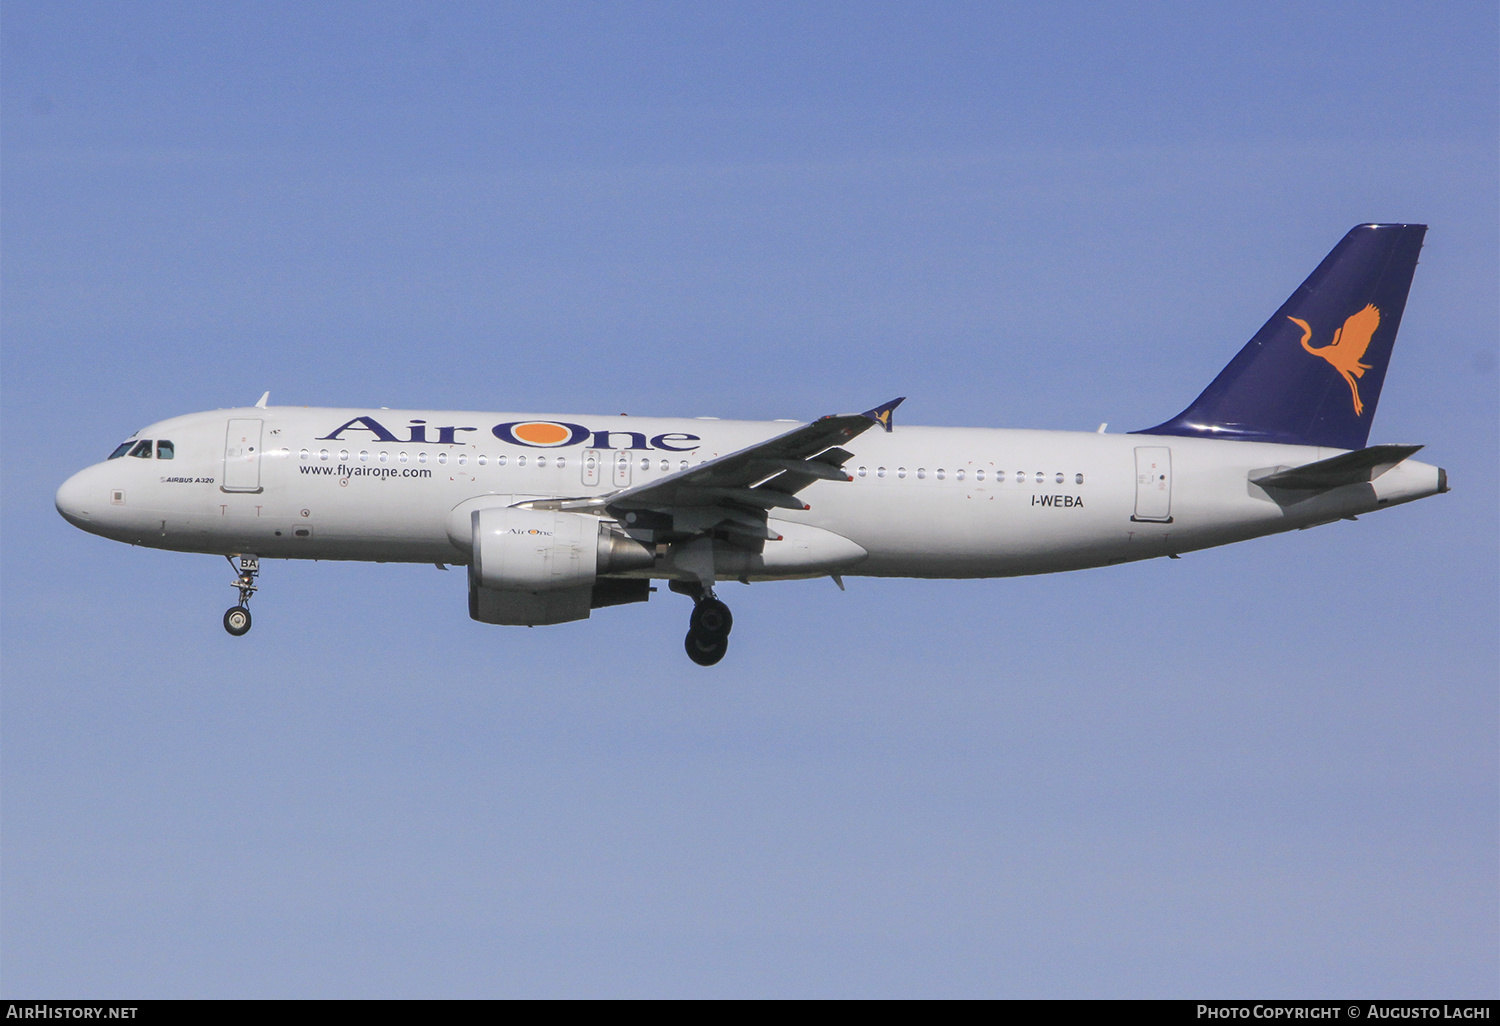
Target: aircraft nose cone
75, 499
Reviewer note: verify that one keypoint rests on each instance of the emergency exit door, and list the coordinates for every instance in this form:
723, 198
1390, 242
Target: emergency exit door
591, 461
622, 468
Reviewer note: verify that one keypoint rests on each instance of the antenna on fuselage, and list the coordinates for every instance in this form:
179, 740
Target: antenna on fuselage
262, 404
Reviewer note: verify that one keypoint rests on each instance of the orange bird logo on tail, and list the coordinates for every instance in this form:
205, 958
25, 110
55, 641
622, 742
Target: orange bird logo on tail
1347, 348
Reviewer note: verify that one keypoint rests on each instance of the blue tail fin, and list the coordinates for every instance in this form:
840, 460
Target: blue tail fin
1312, 375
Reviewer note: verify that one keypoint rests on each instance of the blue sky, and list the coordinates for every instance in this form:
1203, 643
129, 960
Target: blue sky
1262, 770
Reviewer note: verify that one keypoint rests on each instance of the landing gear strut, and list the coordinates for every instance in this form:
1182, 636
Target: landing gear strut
708, 628
237, 618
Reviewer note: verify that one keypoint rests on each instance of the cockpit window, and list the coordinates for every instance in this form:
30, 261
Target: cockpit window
142, 449
121, 450
165, 450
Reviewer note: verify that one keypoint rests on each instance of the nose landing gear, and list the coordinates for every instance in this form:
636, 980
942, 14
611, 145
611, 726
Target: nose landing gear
708, 629
237, 618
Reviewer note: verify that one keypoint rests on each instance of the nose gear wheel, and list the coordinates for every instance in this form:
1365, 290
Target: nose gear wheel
237, 618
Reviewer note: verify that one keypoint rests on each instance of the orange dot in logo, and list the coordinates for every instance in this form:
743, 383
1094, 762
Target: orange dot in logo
541, 433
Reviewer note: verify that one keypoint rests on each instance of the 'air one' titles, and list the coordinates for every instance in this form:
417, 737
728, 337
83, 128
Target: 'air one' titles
535, 434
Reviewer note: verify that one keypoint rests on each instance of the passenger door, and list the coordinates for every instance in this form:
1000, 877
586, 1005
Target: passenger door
242, 456
1153, 484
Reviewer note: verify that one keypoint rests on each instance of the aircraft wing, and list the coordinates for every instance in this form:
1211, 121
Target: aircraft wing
735, 491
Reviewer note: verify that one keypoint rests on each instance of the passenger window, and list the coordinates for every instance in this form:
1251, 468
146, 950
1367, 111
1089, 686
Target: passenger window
500, 461
165, 450
120, 450
343, 455
1020, 477
645, 464
322, 454
941, 474
442, 459
384, 456
921, 473
304, 454
901, 472
683, 465
520, 461
421, 457
401, 457
364, 455
483, 460
463, 459
562, 463
541, 461
861, 471
142, 450
1078, 479
1059, 477
880, 472
666, 466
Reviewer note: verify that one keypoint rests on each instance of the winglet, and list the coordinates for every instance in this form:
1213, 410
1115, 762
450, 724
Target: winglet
882, 413
262, 404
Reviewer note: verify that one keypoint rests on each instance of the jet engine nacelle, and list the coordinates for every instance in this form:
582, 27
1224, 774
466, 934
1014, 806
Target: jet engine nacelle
533, 550
534, 567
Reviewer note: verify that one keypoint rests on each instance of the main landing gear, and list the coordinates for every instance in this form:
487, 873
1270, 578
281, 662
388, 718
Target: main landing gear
708, 628
237, 618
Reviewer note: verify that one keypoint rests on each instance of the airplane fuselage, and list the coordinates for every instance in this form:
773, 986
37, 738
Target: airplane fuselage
934, 502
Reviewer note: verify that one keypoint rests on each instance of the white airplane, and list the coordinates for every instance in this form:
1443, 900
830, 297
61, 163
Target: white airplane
558, 515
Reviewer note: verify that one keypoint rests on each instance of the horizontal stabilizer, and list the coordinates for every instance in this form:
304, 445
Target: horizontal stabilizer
1349, 468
